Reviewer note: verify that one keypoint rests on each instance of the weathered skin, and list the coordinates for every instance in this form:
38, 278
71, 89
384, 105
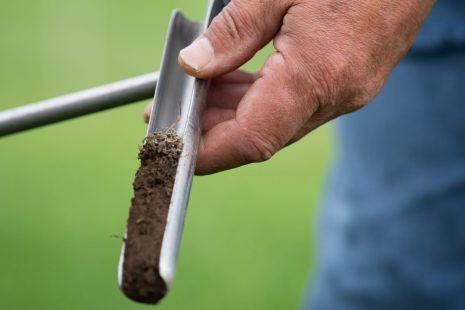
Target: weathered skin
332, 57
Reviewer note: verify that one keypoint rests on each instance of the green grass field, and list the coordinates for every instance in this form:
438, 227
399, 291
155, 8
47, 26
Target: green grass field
65, 189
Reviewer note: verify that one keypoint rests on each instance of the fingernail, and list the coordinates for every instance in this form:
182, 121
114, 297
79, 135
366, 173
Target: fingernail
198, 54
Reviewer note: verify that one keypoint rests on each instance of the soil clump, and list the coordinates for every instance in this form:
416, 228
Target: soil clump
153, 186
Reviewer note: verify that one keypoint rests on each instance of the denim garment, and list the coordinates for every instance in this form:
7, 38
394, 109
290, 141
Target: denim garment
392, 230
445, 27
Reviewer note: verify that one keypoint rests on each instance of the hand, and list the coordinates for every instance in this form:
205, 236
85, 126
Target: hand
331, 58
224, 95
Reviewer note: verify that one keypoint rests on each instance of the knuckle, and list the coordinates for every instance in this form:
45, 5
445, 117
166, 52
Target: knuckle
337, 83
258, 147
332, 82
234, 23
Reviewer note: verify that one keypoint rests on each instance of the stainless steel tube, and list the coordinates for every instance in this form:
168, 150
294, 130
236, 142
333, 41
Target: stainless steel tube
77, 104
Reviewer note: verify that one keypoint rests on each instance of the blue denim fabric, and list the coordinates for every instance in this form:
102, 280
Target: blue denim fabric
444, 28
392, 232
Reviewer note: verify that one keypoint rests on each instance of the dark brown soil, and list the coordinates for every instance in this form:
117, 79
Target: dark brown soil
153, 186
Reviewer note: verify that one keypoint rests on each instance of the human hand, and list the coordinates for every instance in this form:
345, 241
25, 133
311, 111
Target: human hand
224, 95
331, 58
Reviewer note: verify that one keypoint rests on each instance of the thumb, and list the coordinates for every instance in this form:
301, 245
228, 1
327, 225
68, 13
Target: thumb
241, 29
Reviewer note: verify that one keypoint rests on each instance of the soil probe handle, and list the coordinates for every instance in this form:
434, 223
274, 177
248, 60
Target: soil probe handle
77, 104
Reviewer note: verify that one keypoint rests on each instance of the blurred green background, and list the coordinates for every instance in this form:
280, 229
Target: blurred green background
65, 189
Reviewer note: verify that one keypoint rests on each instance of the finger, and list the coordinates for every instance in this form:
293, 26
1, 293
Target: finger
235, 77
222, 95
227, 90
226, 96
268, 116
320, 117
214, 116
317, 120
147, 111
234, 36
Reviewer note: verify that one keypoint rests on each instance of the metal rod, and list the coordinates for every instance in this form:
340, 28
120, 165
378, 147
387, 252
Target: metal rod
77, 104
179, 102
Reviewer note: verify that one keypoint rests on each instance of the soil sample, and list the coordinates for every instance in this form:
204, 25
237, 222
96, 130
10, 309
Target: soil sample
153, 187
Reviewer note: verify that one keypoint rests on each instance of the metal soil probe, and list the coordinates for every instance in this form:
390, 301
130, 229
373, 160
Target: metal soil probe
179, 100
178, 104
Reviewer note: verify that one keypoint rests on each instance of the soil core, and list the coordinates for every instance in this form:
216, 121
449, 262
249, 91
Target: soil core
153, 186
